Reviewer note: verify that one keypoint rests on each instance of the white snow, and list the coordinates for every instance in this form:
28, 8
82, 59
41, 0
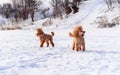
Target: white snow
5, 1
20, 53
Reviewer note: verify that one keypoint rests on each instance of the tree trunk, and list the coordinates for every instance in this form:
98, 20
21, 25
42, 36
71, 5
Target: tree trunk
118, 1
32, 16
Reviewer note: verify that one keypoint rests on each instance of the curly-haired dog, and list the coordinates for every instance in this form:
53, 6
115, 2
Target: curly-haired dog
45, 37
78, 38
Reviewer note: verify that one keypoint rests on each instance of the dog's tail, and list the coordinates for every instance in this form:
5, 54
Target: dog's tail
70, 34
52, 33
37, 34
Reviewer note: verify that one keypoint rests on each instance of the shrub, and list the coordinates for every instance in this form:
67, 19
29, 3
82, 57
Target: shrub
102, 22
10, 27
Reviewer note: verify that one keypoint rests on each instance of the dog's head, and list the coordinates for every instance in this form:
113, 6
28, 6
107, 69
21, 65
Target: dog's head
82, 33
78, 28
39, 32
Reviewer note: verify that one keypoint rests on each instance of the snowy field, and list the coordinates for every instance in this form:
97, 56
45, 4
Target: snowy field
20, 53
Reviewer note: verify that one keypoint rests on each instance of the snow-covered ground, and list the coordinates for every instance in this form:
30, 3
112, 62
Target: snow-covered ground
20, 53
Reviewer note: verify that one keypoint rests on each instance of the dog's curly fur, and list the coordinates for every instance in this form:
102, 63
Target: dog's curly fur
78, 38
45, 37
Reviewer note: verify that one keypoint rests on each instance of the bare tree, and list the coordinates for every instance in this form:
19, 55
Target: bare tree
6, 9
77, 2
59, 8
1, 12
75, 8
43, 12
109, 3
26, 7
68, 9
118, 1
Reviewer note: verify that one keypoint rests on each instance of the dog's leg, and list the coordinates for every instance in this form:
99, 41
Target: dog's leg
47, 42
51, 41
41, 44
83, 46
73, 46
77, 47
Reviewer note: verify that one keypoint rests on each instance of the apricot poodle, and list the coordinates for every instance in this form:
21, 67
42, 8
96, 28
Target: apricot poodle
78, 38
45, 37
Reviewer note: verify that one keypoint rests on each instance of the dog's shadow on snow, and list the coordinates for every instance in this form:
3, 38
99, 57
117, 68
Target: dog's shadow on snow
102, 52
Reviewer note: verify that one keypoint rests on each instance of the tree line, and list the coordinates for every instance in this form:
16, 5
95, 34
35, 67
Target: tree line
22, 9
